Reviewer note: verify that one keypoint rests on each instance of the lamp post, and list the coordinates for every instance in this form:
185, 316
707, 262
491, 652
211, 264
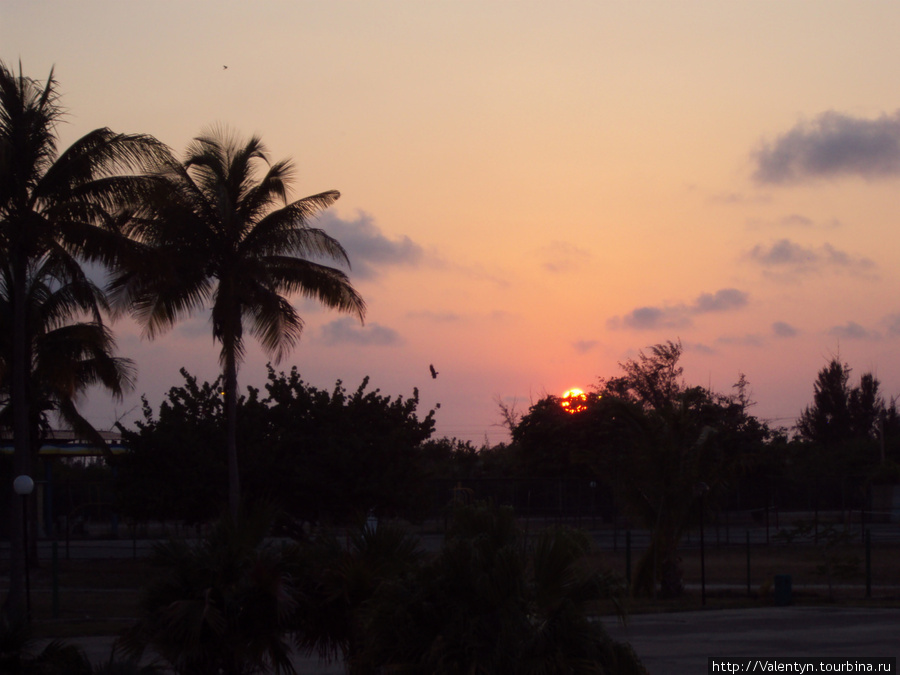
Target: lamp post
23, 485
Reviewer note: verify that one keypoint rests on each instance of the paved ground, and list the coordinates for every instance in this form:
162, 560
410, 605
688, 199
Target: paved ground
680, 643
98, 651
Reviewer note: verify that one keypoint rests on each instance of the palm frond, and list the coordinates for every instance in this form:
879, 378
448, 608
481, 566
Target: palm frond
286, 230
98, 154
273, 321
29, 112
272, 189
325, 284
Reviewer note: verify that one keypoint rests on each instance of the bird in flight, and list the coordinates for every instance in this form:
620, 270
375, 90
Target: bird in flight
434, 373
224, 67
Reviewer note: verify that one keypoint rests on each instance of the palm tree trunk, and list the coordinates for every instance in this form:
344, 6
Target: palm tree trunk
14, 607
234, 481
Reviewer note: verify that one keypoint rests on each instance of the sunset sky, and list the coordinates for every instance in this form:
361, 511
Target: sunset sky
532, 192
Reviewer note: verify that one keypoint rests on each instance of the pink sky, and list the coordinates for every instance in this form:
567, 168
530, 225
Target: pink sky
533, 191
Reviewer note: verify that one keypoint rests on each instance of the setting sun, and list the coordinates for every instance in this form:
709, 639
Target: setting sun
573, 401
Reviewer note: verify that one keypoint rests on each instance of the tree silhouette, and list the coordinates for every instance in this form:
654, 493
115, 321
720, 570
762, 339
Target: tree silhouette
674, 438
213, 234
489, 602
318, 454
221, 605
53, 206
844, 421
654, 439
68, 355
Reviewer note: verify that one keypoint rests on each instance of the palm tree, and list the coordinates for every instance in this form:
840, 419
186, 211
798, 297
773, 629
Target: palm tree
19, 654
222, 605
488, 602
215, 234
338, 580
57, 205
67, 355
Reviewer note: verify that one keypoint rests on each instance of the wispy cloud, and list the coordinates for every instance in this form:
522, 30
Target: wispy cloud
348, 331
562, 256
794, 222
585, 346
475, 271
739, 198
747, 340
437, 317
651, 318
892, 321
853, 331
722, 300
782, 329
832, 145
679, 316
198, 325
446, 317
369, 250
699, 348
786, 256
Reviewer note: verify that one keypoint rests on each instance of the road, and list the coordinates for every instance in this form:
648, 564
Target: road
680, 643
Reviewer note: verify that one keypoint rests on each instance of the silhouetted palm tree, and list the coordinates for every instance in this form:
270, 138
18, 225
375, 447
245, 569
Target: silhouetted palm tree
68, 355
490, 603
223, 605
52, 205
19, 654
338, 581
215, 236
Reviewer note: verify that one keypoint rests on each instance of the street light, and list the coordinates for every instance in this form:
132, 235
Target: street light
23, 485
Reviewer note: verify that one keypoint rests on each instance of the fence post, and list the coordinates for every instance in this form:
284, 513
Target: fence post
615, 530
748, 563
628, 558
868, 563
54, 565
816, 513
862, 513
727, 530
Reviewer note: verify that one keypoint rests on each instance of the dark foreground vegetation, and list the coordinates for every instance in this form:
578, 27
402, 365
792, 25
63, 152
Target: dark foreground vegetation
241, 600
319, 584
625, 459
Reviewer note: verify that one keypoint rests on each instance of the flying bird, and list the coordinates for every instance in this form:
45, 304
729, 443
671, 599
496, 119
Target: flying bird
434, 373
224, 67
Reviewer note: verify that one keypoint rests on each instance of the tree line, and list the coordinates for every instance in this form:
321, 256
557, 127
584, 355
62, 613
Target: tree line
659, 445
